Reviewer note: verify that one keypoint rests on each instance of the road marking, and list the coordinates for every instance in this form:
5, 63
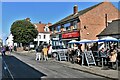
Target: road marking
8, 70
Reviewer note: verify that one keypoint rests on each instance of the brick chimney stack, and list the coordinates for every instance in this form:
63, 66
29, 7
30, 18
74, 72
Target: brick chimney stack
27, 19
75, 9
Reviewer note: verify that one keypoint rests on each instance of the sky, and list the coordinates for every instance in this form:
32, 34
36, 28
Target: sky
38, 11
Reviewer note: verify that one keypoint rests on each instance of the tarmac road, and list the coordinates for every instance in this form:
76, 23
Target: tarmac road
46, 69
16, 69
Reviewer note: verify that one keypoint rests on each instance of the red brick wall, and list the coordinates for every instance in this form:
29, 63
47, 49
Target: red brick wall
94, 20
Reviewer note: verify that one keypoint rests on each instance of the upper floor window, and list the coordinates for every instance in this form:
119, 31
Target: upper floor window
39, 36
58, 28
53, 29
67, 26
75, 25
46, 29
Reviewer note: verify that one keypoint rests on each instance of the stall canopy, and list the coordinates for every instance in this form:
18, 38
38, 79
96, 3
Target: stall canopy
107, 39
85, 41
73, 41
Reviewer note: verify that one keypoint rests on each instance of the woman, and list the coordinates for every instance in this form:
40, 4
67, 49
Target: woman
45, 53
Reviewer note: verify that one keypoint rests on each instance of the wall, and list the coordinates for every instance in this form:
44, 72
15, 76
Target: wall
42, 37
94, 20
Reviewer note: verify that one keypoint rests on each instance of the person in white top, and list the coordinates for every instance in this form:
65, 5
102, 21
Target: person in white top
50, 50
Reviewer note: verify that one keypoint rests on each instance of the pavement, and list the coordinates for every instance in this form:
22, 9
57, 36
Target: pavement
111, 74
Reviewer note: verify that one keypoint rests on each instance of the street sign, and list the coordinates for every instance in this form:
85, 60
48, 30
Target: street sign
62, 55
89, 57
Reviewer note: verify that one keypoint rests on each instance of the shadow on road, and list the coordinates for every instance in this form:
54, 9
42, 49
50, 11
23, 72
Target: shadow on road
18, 70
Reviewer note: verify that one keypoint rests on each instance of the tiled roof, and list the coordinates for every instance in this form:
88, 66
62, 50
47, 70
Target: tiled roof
40, 27
112, 29
72, 16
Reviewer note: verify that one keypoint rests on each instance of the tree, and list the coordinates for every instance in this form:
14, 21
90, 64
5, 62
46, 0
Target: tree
23, 31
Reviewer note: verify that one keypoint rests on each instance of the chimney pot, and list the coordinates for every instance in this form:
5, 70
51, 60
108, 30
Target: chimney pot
39, 22
75, 9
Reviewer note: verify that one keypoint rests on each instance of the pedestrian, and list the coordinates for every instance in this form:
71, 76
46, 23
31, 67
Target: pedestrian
45, 53
36, 49
50, 51
10, 49
3, 50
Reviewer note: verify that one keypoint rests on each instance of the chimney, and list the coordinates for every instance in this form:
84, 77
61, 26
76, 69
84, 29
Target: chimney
39, 22
49, 23
28, 19
75, 9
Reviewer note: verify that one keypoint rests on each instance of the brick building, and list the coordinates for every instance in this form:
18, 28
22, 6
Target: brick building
85, 24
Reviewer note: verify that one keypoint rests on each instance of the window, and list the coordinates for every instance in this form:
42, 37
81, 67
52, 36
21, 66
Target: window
44, 36
52, 28
58, 28
46, 29
39, 36
67, 26
75, 25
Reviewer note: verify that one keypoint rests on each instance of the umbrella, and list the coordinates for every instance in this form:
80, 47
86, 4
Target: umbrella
106, 39
85, 41
73, 41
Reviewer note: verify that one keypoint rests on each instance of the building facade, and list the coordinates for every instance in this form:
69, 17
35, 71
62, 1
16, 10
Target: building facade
9, 40
1, 42
85, 24
44, 33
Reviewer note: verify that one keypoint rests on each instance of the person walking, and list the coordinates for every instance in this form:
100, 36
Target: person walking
45, 53
10, 49
3, 51
36, 49
50, 51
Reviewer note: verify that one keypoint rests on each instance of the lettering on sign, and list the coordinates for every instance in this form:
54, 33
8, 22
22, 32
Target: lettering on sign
71, 35
89, 57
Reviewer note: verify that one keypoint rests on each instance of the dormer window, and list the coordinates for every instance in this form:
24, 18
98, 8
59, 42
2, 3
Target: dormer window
46, 29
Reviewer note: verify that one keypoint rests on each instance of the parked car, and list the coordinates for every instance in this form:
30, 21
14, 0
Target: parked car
57, 49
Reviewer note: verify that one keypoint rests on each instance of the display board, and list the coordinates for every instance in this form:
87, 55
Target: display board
89, 57
61, 55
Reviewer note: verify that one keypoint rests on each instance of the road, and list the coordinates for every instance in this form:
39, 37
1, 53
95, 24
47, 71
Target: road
0, 67
44, 69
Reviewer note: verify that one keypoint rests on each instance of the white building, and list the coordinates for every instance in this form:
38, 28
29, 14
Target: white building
9, 40
1, 42
44, 33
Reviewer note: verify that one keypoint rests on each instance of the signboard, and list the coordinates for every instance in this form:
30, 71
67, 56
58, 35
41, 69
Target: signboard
62, 55
71, 35
89, 57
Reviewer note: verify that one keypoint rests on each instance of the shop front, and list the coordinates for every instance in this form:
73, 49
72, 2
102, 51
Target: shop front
66, 37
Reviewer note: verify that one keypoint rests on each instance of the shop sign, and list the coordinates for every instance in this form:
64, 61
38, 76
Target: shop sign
71, 35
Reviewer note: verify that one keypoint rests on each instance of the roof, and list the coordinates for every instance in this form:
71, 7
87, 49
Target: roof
73, 16
40, 27
111, 29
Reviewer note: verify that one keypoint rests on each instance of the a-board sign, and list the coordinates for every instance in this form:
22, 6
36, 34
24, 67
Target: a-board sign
61, 55
89, 57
